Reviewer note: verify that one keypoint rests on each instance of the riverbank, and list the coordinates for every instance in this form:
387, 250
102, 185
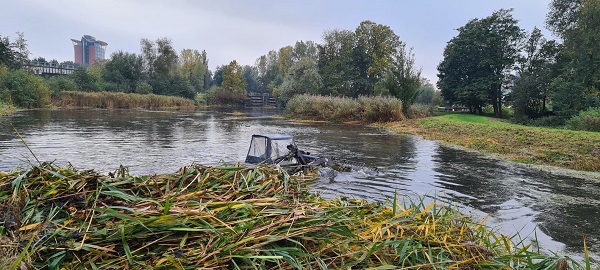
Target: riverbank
572, 150
232, 217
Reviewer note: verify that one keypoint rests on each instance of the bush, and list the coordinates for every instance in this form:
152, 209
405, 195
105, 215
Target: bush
548, 121
60, 84
23, 89
420, 111
219, 96
172, 86
586, 120
143, 88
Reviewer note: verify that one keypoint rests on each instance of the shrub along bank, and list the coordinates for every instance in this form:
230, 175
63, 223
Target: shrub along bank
232, 217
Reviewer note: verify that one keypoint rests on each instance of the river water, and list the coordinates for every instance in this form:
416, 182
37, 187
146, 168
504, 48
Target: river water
554, 210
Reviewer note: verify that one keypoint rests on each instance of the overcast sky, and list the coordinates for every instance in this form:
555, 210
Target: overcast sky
246, 29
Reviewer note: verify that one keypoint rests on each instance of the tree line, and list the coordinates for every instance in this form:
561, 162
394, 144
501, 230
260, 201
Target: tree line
493, 62
371, 60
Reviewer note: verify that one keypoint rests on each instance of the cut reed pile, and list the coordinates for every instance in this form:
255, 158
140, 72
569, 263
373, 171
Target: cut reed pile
119, 100
228, 217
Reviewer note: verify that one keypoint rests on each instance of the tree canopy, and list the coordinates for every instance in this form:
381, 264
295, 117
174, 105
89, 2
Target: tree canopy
479, 59
13, 54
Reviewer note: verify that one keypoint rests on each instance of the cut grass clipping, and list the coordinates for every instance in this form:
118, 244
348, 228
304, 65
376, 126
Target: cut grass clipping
231, 217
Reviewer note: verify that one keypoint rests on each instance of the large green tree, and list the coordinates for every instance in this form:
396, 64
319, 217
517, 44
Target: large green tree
23, 89
303, 49
250, 74
374, 53
351, 63
160, 65
562, 16
193, 66
403, 79
85, 79
13, 54
233, 79
273, 67
160, 58
426, 94
477, 61
537, 69
336, 63
578, 86
218, 75
303, 78
124, 69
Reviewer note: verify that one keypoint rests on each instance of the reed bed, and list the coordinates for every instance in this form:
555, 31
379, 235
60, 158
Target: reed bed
231, 217
119, 100
344, 109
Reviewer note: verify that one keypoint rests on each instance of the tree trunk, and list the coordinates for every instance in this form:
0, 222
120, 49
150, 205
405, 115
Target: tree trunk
543, 110
495, 105
499, 101
405, 110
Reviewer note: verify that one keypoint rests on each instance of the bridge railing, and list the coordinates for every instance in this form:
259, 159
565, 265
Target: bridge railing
45, 68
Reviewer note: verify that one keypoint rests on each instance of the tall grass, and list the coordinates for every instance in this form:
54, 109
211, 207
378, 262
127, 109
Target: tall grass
118, 100
376, 109
231, 217
343, 109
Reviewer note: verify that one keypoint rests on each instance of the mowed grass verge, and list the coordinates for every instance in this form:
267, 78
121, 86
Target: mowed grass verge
578, 150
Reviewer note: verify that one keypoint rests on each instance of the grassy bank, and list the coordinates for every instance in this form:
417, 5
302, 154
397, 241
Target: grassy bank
119, 100
578, 150
231, 218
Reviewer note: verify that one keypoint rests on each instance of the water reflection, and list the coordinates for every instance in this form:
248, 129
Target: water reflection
514, 197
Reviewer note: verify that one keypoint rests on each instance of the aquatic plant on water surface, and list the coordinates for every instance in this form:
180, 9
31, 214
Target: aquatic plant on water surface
232, 217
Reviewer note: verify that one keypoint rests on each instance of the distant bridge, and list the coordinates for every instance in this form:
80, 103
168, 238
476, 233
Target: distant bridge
48, 69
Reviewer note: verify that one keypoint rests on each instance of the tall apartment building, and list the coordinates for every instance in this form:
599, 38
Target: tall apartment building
88, 50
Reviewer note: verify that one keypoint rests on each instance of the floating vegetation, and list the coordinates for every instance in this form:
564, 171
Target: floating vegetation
231, 217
